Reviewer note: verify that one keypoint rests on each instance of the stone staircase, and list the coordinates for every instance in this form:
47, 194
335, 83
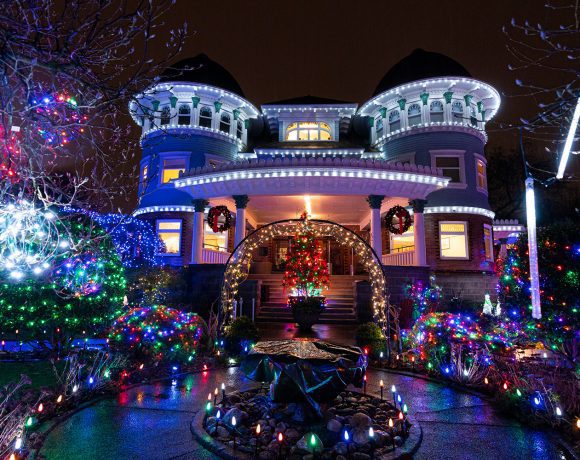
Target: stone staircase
340, 300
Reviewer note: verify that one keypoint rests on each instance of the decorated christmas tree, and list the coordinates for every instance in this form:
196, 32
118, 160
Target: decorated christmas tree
306, 272
559, 264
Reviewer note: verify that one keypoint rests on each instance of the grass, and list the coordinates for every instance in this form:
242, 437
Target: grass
39, 372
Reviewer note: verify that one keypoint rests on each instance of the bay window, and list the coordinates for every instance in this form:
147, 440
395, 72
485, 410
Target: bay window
171, 169
169, 233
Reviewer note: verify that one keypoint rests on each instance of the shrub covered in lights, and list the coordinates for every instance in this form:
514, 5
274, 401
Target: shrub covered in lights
241, 333
559, 262
426, 297
158, 333
456, 345
78, 296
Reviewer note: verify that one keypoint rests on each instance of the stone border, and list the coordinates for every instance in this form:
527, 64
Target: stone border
412, 443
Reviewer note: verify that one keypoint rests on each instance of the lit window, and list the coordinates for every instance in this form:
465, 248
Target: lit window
205, 116
414, 114
453, 240
404, 242
225, 123
488, 241
216, 241
457, 109
169, 232
436, 111
379, 126
144, 174
481, 175
451, 167
165, 116
308, 131
171, 168
240, 130
394, 120
184, 115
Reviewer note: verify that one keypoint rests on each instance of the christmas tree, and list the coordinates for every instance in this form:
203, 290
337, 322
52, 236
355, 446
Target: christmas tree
306, 272
559, 264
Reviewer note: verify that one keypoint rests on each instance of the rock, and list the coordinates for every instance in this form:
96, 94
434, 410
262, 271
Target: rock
341, 448
281, 427
292, 434
398, 441
361, 456
272, 423
351, 400
360, 436
308, 457
210, 422
338, 400
222, 432
360, 420
299, 415
334, 425
340, 457
266, 455
239, 414
303, 446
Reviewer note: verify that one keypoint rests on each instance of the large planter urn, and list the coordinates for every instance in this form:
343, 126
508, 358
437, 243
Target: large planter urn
306, 310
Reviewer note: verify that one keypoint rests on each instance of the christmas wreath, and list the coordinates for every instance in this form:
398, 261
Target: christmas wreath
213, 218
403, 222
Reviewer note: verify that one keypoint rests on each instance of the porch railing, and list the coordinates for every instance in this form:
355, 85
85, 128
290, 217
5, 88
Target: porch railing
400, 259
212, 256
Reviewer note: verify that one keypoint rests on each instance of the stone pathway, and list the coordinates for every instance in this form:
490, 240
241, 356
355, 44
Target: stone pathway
152, 422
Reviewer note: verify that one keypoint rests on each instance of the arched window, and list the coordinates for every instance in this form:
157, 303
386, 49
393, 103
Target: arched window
379, 126
165, 116
457, 110
394, 120
184, 116
414, 114
436, 111
308, 131
205, 116
240, 129
225, 121
473, 118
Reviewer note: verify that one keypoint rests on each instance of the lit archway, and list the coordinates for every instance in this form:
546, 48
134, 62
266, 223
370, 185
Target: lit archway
238, 266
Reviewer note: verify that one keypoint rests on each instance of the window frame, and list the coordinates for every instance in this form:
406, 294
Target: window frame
227, 123
171, 156
451, 154
180, 232
290, 129
239, 129
181, 116
419, 115
442, 111
162, 117
201, 117
480, 158
398, 120
490, 228
465, 234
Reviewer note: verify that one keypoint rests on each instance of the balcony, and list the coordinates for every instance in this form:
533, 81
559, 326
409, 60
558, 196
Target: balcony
297, 176
213, 256
399, 259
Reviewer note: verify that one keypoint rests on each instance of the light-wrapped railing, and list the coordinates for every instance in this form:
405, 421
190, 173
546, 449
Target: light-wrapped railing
212, 256
399, 259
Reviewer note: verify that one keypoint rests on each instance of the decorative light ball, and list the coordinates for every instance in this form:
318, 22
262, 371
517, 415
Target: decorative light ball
29, 240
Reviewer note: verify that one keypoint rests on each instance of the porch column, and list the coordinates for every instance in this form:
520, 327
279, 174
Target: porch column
241, 204
198, 232
419, 231
375, 202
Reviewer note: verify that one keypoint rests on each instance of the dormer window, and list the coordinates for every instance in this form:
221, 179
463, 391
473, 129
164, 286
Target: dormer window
308, 131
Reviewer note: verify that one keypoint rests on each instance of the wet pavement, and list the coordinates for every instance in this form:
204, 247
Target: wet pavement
152, 422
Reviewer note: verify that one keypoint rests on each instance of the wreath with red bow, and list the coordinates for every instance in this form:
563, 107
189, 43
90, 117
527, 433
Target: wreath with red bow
402, 222
213, 218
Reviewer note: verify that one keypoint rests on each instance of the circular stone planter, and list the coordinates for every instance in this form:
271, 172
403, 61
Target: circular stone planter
352, 412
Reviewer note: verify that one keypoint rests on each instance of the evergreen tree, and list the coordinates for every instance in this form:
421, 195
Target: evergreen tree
306, 272
559, 264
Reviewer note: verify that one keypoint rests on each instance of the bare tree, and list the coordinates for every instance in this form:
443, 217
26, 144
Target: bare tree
68, 69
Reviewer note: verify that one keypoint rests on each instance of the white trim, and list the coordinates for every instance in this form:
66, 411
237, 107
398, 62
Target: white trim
169, 129
451, 153
465, 234
150, 209
459, 210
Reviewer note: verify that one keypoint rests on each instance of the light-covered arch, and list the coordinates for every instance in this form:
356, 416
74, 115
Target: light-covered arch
238, 266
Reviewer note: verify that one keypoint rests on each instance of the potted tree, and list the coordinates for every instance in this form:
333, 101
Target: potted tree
305, 276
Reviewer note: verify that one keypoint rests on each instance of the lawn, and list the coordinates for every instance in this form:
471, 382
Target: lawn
39, 372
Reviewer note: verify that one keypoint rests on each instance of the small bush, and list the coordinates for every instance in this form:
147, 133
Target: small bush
241, 331
370, 335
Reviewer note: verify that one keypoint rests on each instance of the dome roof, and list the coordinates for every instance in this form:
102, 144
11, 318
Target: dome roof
419, 65
201, 69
